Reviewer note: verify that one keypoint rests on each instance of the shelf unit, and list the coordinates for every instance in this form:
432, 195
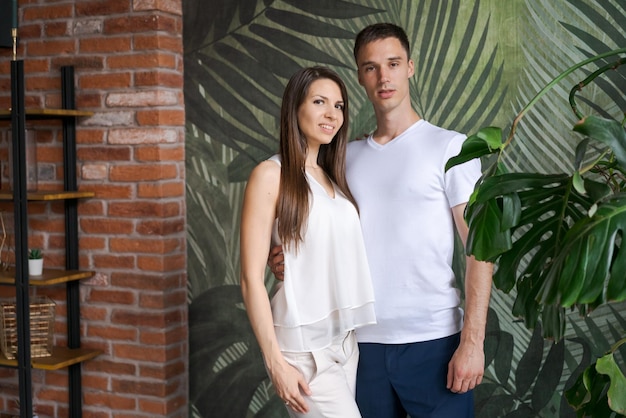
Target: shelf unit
72, 355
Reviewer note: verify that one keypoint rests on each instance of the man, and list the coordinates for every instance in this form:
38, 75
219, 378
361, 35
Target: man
425, 354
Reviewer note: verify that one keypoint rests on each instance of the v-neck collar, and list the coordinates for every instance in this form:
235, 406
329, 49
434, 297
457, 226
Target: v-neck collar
334, 196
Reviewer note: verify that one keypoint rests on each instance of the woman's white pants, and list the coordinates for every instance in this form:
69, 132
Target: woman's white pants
331, 375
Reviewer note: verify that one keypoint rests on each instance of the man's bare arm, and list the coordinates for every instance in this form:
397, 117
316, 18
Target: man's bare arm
467, 367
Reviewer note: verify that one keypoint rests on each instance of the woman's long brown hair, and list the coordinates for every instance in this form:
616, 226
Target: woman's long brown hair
293, 201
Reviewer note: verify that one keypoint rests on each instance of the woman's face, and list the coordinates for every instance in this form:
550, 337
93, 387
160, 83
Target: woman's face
321, 113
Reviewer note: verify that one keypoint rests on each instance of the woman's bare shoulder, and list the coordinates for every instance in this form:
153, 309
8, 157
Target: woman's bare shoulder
265, 175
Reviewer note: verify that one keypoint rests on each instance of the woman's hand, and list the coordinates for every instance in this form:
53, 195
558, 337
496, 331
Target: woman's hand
289, 384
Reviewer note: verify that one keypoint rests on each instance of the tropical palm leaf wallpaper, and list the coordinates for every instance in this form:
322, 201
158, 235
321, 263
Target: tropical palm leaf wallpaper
477, 63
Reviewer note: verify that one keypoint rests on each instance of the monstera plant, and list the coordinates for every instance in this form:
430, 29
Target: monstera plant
558, 240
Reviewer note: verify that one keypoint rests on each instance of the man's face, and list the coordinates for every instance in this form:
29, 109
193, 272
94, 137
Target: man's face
384, 71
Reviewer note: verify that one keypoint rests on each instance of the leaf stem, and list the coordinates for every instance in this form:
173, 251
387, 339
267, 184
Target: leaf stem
589, 79
617, 345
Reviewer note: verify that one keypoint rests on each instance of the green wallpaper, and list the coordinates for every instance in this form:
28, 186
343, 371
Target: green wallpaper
477, 64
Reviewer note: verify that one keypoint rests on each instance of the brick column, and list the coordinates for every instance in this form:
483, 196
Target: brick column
129, 72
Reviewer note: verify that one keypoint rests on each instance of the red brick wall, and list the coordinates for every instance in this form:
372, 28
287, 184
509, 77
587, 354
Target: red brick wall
129, 72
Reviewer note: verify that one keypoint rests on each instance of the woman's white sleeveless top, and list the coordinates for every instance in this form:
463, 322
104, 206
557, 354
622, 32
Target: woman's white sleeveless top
327, 289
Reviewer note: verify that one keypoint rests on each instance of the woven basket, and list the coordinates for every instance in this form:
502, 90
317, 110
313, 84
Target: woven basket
41, 327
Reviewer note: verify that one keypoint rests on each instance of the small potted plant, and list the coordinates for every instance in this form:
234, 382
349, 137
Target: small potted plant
35, 262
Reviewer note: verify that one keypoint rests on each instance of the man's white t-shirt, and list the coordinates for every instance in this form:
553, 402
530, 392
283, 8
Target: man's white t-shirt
405, 199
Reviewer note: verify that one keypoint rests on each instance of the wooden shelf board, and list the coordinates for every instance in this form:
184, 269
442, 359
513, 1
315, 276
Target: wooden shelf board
47, 196
61, 358
5, 114
48, 278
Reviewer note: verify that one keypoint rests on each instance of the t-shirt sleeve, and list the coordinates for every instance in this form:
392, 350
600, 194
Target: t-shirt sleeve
460, 180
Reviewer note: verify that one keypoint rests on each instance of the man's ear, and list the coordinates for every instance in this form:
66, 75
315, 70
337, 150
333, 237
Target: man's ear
411, 68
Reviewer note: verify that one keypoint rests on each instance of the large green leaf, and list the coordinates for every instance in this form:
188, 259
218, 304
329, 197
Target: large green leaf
523, 193
536, 227
591, 263
608, 131
489, 241
586, 395
600, 391
617, 389
484, 142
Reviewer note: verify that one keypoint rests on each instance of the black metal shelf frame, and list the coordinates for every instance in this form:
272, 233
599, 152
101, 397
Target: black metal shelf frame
20, 202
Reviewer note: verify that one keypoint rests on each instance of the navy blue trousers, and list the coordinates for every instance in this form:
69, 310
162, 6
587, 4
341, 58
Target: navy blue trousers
396, 380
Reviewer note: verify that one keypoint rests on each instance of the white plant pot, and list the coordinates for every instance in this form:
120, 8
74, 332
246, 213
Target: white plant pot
35, 267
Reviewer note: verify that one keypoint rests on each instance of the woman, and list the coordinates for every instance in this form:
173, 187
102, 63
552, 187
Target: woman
300, 199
